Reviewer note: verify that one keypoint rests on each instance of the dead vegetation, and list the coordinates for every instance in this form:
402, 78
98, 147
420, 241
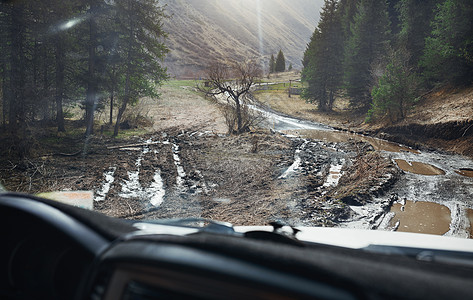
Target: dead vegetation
230, 86
369, 175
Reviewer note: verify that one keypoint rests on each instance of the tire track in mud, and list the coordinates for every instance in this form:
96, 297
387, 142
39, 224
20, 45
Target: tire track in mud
222, 177
150, 181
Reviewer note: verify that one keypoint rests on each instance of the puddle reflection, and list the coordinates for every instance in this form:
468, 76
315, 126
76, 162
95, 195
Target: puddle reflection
418, 168
421, 217
341, 136
465, 172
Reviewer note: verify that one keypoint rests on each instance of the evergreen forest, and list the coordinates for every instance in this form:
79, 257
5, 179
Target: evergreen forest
384, 54
83, 53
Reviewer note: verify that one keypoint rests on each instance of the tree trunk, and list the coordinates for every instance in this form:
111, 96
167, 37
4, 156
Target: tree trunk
126, 98
33, 108
45, 93
331, 99
111, 106
4, 94
128, 71
238, 113
59, 85
17, 72
121, 110
91, 84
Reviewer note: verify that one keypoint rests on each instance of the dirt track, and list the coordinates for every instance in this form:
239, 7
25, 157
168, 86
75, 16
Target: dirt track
192, 169
243, 180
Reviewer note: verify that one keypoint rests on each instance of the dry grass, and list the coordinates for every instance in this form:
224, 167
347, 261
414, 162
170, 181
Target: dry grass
367, 172
296, 106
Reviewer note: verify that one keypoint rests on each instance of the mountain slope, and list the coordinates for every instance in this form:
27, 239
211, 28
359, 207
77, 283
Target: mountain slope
202, 31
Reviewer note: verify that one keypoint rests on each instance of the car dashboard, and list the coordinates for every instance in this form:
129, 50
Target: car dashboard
54, 251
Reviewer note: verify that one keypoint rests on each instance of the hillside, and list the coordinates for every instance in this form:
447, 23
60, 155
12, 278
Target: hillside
202, 31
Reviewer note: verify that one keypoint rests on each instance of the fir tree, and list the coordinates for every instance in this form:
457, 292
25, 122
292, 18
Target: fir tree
369, 41
415, 17
448, 54
323, 70
280, 62
272, 64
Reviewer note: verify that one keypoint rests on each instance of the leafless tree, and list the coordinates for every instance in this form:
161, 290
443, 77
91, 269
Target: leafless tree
230, 85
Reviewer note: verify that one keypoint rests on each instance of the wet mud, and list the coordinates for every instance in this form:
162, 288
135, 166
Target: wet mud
304, 177
470, 218
420, 217
336, 136
250, 179
448, 130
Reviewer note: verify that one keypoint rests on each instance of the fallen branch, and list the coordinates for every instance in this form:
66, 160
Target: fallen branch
132, 145
466, 130
63, 154
68, 154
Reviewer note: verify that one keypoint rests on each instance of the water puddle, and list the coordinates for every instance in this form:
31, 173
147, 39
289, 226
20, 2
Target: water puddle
222, 200
297, 162
280, 123
382, 145
322, 135
109, 179
180, 170
334, 175
334, 136
421, 217
157, 189
465, 172
133, 189
418, 168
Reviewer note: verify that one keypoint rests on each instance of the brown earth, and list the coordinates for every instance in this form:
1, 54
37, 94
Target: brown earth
228, 178
442, 119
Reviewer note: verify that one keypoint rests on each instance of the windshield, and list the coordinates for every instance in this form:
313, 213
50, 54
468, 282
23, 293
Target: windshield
351, 113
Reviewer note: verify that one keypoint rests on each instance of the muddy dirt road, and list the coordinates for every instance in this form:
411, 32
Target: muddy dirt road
434, 182
295, 171
298, 173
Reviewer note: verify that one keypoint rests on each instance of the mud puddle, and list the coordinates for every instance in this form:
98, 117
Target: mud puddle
335, 136
421, 217
419, 168
467, 172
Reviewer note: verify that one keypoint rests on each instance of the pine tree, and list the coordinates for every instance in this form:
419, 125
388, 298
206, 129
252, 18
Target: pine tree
141, 50
56, 51
396, 89
272, 64
394, 15
347, 11
280, 62
369, 41
448, 54
323, 72
415, 17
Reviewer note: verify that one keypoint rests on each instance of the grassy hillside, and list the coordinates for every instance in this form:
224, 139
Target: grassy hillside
201, 31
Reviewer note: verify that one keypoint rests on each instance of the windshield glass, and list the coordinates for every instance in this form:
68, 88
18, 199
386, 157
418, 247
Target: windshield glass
350, 113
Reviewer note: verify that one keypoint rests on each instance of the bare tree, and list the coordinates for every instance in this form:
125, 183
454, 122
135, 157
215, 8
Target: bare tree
230, 84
